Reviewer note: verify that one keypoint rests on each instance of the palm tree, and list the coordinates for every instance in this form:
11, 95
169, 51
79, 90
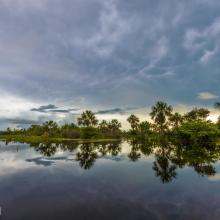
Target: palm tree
144, 128
103, 125
159, 115
87, 119
134, 121
114, 125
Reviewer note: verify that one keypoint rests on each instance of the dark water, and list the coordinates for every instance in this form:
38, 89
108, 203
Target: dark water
108, 181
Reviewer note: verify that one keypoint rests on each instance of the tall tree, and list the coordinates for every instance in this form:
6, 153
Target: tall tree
87, 119
134, 121
144, 129
114, 125
103, 126
159, 114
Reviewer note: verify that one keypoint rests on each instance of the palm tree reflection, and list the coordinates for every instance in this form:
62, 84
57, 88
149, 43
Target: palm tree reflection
168, 156
86, 156
164, 169
135, 153
114, 148
162, 166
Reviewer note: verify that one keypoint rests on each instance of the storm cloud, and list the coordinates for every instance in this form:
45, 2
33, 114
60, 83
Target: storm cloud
44, 108
115, 111
52, 108
100, 54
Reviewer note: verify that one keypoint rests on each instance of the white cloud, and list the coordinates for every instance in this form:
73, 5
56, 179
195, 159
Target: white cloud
15, 111
157, 53
161, 75
199, 40
206, 57
191, 38
214, 29
13, 106
206, 96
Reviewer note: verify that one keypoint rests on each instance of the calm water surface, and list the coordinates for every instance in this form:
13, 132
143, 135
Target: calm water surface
107, 181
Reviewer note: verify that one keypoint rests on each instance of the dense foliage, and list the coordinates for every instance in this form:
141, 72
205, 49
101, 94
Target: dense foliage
198, 133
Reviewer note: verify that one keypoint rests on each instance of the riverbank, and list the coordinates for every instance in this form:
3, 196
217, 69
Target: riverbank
42, 139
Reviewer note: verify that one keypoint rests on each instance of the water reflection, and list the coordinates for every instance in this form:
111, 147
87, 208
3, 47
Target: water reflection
87, 155
168, 157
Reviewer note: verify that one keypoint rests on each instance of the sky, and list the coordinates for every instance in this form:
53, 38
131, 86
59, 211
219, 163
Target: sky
115, 57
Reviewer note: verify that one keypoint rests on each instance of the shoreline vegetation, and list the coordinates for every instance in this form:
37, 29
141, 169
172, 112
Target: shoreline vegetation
191, 129
41, 139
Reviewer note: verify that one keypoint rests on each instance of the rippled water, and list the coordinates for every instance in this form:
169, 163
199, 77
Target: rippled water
107, 181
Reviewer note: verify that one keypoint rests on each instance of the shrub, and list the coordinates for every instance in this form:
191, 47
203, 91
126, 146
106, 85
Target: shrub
197, 133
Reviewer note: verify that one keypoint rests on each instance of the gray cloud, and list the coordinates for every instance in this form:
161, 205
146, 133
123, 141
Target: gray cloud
64, 110
52, 109
114, 111
44, 108
100, 54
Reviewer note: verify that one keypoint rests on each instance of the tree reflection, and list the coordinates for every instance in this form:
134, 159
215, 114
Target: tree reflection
103, 149
205, 169
69, 146
162, 166
164, 170
86, 156
135, 154
201, 159
47, 149
114, 148
168, 155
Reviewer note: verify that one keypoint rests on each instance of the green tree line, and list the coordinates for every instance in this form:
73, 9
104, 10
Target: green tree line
87, 127
190, 128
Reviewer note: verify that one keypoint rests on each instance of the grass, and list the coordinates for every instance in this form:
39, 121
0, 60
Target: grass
42, 139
